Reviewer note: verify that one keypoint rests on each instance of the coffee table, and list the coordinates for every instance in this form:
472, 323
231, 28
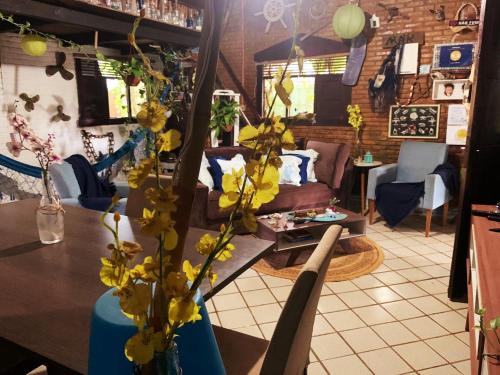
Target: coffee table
286, 253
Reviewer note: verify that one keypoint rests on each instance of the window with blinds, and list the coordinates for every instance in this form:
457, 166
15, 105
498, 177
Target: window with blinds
317, 90
103, 96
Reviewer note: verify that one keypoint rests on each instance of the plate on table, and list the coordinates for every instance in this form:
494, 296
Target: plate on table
328, 218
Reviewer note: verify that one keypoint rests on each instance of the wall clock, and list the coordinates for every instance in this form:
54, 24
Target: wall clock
273, 11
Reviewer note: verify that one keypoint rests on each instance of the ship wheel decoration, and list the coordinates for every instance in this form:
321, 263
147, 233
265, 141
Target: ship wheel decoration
318, 9
273, 11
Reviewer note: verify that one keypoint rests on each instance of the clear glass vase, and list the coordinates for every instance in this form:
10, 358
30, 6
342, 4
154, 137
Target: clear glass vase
50, 216
164, 363
358, 150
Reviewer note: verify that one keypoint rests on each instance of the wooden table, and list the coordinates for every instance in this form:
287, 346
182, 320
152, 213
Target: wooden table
287, 253
48, 291
364, 168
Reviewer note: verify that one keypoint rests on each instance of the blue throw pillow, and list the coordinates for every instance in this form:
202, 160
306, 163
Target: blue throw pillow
216, 171
302, 167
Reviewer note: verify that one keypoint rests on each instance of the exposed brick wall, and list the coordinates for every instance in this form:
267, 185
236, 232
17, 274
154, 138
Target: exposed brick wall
244, 36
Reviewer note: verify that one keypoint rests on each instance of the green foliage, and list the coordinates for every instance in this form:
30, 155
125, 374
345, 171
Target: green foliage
223, 116
124, 69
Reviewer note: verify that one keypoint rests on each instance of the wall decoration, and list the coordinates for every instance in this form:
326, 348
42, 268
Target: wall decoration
391, 40
348, 21
409, 60
50, 70
453, 56
466, 19
456, 129
374, 21
29, 104
355, 61
392, 12
273, 11
424, 69
318, 9
34, 45
438, 12
60, 115
414, 121
449, 89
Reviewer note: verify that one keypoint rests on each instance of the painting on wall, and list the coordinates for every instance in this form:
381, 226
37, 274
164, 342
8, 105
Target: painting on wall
453, 56
414, 121
449, 89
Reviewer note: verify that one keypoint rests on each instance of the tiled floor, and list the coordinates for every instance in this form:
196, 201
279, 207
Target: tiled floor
397, 320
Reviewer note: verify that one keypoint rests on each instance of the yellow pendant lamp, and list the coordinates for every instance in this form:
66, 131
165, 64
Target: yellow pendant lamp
33, 45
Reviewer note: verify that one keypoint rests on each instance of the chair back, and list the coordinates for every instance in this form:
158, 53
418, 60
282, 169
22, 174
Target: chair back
64, 180
288, 351
418, 159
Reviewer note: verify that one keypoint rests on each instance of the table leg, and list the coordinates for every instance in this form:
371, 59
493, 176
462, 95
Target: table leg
363, 198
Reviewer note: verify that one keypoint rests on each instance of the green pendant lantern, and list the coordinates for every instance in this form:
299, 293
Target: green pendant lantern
33, 45
348, 21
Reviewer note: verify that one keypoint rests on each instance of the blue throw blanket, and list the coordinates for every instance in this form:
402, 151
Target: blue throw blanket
96, 193
395, 201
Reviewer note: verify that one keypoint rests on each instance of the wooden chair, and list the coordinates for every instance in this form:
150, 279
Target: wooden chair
288, 351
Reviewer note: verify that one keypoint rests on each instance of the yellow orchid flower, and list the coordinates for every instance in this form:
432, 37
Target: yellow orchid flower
112, 274
248, 136
153, 223
190, 271
152, 115
176, 285
225, 253
212, 276
162, 199
140, 348
249, 220
206, 244
130, 249
138, 174
169, 140
181, 310
266, 186
148, 271
134, 298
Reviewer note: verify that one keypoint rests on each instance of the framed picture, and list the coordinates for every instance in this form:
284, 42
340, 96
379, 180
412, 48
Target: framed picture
414, 121
453, 56
449, 89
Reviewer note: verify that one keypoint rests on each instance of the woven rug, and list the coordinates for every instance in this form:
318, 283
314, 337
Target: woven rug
352, 258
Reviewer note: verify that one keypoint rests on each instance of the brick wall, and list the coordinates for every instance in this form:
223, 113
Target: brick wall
244, 36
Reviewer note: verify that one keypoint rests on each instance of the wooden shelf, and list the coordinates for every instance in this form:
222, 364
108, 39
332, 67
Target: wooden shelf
59, 16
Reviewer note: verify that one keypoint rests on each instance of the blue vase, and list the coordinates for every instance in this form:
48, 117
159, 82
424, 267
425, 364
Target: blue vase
110, 330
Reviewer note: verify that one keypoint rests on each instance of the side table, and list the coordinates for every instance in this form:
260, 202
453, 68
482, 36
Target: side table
363, 170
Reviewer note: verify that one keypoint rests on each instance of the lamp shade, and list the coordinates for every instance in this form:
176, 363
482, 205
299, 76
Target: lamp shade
348, 21
33, 45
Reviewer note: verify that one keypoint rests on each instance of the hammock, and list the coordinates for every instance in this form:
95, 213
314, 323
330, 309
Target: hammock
20, 181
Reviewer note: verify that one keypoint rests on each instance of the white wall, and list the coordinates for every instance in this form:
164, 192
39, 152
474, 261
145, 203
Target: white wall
22, 73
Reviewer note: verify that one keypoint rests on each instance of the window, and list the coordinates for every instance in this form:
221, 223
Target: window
103, 96
317, 90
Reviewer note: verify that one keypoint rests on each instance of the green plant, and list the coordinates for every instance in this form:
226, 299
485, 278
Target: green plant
494, 325
224, 113
125, 69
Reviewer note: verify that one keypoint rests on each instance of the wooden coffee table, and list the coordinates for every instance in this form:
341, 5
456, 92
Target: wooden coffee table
286, 253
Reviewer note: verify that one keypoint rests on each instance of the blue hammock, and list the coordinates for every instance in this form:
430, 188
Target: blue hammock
36, 172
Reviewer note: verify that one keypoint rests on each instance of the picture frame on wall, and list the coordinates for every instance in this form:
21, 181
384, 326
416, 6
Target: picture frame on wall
453, 56
449, 89
414, 121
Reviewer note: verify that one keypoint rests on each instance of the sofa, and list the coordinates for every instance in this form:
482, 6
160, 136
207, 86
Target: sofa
333, 169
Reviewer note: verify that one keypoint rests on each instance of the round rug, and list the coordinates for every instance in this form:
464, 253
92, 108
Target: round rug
352, 258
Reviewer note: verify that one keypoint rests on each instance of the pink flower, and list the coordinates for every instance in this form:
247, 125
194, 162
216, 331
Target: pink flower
14, 148
17, 121
26, 134
55, 158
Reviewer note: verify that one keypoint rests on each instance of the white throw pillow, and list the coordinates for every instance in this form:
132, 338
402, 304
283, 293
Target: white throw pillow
204, 176
312, 155
289, 171
237, 162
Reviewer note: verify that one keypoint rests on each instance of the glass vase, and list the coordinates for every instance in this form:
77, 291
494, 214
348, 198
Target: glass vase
49, 216
164, 363
358, 150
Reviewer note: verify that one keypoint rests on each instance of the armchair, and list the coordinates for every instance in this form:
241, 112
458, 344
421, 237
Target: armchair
416, 162
67, 187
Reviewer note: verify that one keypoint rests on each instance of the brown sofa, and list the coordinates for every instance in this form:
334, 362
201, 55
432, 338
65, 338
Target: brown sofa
333, 169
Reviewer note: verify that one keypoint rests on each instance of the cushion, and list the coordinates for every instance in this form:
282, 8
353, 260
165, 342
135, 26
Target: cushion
312, 155
204, 176
65, 180
289, 171
216, 171
325, 165
303, 167
418, 159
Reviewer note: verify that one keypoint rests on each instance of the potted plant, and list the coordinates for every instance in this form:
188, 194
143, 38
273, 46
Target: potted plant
224, 114
131, 71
